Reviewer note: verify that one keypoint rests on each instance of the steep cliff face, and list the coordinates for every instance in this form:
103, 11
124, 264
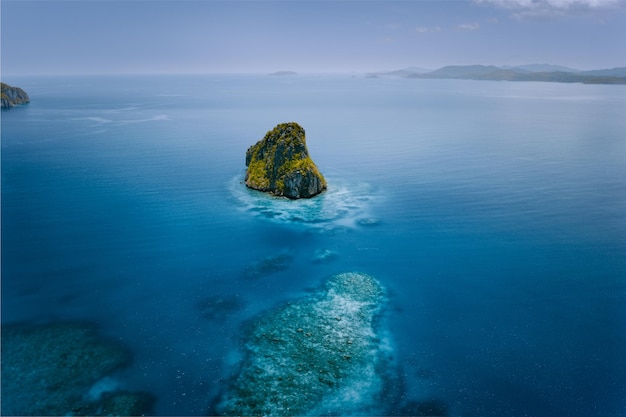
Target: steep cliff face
280, 164
12, 96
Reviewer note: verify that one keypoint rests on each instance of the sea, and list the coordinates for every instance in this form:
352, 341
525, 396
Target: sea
494, 214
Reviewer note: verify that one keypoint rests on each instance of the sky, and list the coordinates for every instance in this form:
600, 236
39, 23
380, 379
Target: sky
50, 37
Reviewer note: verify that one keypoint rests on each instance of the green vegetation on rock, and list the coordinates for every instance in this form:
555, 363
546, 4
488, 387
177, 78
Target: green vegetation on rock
280, 164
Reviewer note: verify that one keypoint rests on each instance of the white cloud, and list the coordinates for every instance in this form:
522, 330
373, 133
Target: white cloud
552, 8
469, 26
424, 29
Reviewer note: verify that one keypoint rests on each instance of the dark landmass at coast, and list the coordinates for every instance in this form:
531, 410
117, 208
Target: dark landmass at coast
12, 96
546, 73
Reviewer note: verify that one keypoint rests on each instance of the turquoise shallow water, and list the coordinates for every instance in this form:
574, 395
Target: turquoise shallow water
493, 213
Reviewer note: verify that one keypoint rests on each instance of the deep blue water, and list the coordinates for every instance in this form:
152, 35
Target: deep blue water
493, 212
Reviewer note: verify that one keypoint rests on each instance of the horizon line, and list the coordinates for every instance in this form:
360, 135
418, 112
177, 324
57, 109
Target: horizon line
278, 72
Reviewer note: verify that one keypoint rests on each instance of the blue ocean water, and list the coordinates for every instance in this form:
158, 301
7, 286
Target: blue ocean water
493, 212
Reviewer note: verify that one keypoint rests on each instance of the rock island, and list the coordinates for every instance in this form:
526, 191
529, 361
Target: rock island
12, 96
280, 164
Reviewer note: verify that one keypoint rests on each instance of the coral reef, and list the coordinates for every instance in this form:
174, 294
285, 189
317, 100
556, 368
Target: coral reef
324, 354
324, 255
369, 221
49, 369
269, 265
220, 307
124, 403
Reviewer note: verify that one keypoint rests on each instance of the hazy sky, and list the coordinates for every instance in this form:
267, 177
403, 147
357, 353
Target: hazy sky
112, 36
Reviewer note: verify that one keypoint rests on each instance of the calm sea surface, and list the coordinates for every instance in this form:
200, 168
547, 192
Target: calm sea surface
494, 213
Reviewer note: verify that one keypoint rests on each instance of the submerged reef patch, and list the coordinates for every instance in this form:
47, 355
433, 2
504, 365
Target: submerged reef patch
426, 408
51, 369
269, 265
220, 307
320, 355
324, 255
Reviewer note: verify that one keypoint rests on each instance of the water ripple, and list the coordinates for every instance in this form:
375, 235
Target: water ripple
343, 204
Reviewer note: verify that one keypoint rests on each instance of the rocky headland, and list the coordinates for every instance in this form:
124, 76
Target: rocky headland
280, 164
12, 96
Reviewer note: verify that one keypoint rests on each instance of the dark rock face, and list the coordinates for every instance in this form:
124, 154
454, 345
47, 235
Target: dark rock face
12, 96
280, 164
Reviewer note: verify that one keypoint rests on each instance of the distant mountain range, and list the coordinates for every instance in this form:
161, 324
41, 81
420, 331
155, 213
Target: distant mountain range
535, 72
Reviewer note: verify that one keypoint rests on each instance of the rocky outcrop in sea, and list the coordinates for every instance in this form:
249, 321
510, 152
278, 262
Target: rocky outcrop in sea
326, 354
280, 164
12, 96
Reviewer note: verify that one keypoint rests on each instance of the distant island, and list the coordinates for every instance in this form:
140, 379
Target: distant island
547, 73
283, 73
280, 164
12, 96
